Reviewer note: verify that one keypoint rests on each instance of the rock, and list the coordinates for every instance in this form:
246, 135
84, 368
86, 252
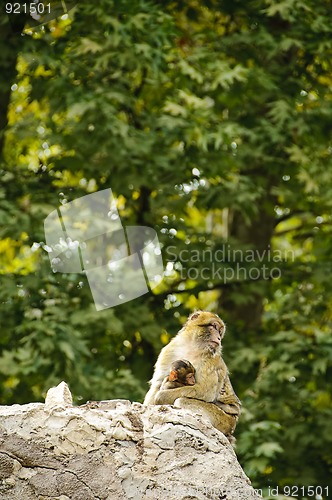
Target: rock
114, 450
59, 396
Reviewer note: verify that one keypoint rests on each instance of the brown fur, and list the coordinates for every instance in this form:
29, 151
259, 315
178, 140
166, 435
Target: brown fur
199, 342
182, 373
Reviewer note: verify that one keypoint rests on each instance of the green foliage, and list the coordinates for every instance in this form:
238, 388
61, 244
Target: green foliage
211, 123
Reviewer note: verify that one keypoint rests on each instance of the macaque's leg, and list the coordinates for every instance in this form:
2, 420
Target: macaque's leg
221, 420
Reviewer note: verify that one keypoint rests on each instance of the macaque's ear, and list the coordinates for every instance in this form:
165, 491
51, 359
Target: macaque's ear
194, 315
173, 375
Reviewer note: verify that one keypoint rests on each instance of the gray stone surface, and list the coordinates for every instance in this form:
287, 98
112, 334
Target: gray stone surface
112, 450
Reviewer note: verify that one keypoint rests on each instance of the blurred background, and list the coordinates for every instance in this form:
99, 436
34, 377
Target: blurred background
211, 123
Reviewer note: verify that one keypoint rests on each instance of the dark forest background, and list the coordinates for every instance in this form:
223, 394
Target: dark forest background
211, 122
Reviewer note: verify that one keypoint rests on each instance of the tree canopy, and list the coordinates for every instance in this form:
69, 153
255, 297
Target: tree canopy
211, 123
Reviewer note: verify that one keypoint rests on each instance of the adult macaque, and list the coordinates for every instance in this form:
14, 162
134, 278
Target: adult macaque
199, 341
182, 373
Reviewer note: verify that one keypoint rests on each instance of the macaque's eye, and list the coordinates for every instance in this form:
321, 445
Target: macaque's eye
214, 325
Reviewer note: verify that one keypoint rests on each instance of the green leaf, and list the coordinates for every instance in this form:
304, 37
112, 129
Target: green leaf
269, 449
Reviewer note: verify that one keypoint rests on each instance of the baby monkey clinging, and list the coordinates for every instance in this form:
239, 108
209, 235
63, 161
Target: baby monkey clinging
182, 373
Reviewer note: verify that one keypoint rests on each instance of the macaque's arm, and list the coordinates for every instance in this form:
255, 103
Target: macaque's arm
168, 396
164, 384
227, 400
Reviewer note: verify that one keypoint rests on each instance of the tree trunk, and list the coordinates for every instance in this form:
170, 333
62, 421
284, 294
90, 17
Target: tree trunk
257, 234
11, 42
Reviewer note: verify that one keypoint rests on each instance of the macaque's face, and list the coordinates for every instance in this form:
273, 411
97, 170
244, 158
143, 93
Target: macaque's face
209, 330
190, 379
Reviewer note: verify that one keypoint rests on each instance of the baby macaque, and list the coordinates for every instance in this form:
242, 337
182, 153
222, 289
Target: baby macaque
182, 373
